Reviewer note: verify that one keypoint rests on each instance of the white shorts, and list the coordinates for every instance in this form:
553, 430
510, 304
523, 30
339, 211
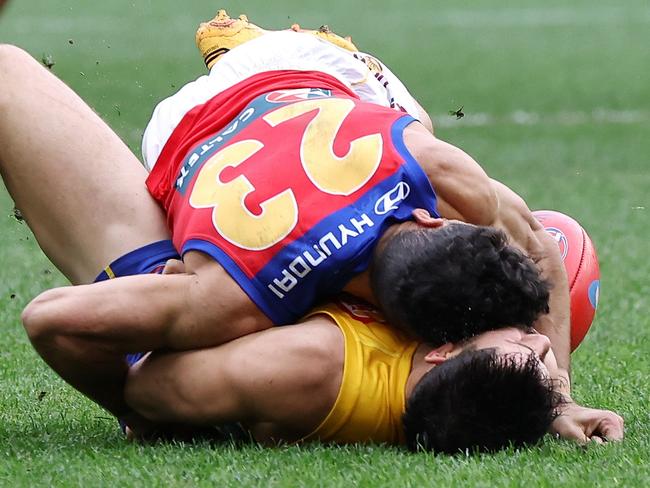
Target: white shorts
370, 79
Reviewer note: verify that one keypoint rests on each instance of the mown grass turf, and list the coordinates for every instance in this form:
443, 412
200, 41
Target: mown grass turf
557, 106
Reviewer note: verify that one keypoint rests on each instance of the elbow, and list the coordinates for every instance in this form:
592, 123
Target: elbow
37, 318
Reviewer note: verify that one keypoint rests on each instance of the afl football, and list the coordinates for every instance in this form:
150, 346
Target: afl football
581, 264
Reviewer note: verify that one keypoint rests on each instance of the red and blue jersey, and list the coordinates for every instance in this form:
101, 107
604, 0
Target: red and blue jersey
289, 187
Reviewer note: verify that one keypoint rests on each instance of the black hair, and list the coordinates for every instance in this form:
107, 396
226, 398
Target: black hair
457, 281
480, 401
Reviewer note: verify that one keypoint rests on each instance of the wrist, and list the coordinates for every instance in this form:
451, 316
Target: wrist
564, 382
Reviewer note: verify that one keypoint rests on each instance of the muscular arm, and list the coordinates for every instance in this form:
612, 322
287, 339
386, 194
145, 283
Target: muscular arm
466, 193
253, 380
144, 312
525, 231
83, 332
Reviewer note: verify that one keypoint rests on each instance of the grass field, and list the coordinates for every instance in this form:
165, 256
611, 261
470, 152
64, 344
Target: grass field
557, 102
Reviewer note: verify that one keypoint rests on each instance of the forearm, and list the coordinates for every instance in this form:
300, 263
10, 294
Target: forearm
145, 312
128, 314
84, 332
68, 328
528, 234
556, 325
98, 374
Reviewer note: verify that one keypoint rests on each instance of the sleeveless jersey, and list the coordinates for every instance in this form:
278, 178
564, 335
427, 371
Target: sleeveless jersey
288, 180
371, 400
365, 75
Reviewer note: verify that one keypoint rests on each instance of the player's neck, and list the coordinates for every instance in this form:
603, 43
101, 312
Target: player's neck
419, 367
359, 286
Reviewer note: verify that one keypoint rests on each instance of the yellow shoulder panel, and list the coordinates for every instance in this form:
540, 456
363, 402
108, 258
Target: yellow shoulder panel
378, 358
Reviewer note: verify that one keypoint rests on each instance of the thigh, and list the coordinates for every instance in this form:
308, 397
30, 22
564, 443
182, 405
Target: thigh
79, 187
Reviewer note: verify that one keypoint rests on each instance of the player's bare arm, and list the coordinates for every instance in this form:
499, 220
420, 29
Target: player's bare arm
514, 216
423, 117
466, 193
143, 312
84, 332
253, 380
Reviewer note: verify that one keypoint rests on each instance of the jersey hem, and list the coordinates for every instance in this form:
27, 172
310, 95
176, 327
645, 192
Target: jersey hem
240, 277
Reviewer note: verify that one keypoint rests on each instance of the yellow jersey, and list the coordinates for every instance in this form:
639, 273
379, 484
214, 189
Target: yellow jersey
371, 399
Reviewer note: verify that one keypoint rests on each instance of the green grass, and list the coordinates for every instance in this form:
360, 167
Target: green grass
577, 68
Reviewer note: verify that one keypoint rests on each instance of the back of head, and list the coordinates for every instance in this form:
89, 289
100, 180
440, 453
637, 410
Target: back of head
480, 401
451, 283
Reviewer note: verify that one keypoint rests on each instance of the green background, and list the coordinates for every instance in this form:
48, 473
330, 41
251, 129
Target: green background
557, 102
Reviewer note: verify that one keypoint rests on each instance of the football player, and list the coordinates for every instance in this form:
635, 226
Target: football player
82, 193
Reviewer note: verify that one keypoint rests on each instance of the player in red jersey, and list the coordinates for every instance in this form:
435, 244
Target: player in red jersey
461, 189
96, 231
174, 302
187, 326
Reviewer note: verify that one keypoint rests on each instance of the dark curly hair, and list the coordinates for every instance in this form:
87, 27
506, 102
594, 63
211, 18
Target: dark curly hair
457, 281
480, 401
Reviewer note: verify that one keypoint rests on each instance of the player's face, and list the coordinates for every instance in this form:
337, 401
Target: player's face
521, 343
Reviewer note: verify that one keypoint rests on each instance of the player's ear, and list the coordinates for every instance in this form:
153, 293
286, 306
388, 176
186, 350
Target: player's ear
424, 218
440, 354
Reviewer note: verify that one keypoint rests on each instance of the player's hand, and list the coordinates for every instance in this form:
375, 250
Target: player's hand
583, 424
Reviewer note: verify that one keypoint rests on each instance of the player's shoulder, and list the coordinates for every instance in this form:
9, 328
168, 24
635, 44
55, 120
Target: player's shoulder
315, 339
363, 325
309, 356
464, 190
421, 143
318, 334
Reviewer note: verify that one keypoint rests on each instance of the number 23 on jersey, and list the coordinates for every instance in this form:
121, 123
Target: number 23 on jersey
328, 172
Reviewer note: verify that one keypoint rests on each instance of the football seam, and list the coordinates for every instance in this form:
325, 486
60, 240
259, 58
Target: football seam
582, 258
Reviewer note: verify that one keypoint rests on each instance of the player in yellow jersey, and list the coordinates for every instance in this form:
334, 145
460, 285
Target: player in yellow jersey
343, 375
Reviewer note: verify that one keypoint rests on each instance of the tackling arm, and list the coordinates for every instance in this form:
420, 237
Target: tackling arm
526, 232
466, 193
575, 422
254, 380
83, 332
